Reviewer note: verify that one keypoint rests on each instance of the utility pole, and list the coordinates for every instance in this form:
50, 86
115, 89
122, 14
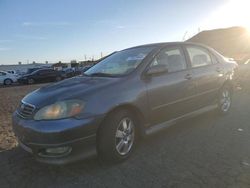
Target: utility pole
184, 36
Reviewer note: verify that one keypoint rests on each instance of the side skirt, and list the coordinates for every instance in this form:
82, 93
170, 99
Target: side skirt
156, 128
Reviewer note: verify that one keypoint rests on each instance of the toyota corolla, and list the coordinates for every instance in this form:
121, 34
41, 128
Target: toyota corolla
130, 94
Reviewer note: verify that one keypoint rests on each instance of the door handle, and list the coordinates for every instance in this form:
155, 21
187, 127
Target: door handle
188, 76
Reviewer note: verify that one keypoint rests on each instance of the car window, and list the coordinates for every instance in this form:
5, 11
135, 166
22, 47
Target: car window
172, 58
2, 73
120, 63
41, 72
214, 58
199, 57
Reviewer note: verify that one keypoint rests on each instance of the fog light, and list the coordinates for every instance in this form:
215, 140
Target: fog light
58, 150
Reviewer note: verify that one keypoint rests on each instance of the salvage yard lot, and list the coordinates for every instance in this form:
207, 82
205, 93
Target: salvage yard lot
10, 98
207, 151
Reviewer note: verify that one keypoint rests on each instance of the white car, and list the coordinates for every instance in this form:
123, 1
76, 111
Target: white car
7, 78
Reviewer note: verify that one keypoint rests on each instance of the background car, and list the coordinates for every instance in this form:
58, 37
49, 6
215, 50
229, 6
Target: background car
41, 75
7, 78
70, 72
85, 68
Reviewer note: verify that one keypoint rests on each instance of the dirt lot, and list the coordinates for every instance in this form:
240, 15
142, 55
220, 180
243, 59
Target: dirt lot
9, 100
207, 151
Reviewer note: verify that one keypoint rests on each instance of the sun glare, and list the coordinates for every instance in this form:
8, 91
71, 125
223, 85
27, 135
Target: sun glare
233, 13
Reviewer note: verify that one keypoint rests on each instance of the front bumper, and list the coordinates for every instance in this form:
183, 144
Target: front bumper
77, 134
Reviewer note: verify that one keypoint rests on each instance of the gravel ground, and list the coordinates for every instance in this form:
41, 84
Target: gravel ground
207, 151
9, 99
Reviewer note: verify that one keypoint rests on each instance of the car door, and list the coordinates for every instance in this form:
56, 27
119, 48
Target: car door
40, 75
170, 95
207, 74
49, 75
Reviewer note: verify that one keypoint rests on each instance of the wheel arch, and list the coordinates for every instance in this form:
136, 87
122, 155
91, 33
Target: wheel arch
135, 111
7, 79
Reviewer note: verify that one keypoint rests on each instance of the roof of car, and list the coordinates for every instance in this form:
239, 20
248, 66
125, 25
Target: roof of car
162, 44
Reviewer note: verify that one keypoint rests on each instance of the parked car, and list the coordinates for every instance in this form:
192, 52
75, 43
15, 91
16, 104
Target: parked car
70, 72
7, 78
132, 93
40, 75
85, 68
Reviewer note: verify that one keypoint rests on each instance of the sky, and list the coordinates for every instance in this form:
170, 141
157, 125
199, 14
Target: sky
64, 30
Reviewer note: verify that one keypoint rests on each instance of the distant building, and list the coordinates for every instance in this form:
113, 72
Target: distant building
23, 67
60, 66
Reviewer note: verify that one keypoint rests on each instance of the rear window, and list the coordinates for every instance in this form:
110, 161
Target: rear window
199, 57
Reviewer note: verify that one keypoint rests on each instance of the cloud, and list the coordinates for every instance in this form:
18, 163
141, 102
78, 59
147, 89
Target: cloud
4, 49
120, 27
29, 37
42, 24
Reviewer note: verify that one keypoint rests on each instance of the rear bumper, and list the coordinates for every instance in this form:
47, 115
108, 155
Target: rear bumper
78, 135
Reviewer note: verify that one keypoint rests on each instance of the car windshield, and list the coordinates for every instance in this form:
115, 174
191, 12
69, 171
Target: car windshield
120, 63
29, 71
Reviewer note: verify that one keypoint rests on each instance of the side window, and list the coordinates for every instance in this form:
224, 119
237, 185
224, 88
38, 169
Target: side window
51, 71
43, 72
215, 59
199, 57
38, 72
173, 59
2, 73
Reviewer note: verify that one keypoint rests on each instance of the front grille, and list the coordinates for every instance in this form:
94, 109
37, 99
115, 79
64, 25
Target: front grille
26, 110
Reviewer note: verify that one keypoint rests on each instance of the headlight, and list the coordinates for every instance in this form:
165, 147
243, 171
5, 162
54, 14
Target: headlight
60, 110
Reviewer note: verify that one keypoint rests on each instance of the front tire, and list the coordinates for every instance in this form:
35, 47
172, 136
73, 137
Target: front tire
225, 100
8, 82
117, 137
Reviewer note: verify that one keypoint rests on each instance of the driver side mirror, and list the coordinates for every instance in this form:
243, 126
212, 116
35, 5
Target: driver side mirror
157, 69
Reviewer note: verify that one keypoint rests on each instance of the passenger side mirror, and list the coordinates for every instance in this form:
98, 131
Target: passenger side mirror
157, 69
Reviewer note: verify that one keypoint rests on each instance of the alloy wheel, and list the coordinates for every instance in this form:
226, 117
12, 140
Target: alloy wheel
7, 82
225, 100
125, 134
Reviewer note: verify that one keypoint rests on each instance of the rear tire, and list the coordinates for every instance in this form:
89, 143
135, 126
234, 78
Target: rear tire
117, 137
225, 99
8, 82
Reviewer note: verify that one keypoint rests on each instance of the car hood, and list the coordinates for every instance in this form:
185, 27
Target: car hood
73, 88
